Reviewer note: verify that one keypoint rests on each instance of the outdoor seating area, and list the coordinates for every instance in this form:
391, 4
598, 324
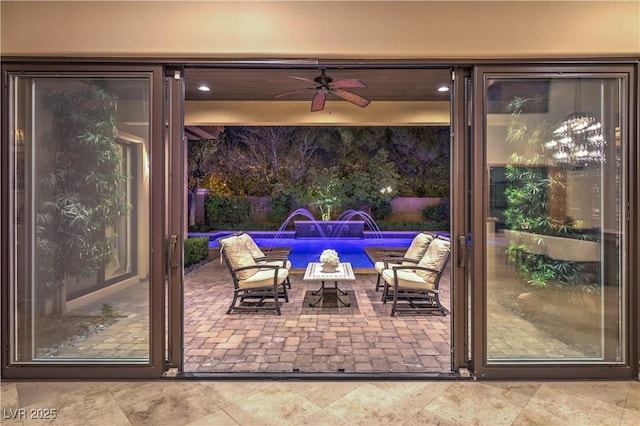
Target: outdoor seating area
328, 337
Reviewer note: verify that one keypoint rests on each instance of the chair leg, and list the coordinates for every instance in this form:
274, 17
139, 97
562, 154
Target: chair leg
284, 290
233, 302
385, 292
277, 298
378, 285
395, 300
288, 283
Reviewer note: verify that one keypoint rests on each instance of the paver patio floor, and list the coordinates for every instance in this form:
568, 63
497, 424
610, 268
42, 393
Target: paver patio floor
304, 339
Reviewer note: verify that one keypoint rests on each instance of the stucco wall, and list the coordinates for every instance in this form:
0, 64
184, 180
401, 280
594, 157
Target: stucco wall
321, 29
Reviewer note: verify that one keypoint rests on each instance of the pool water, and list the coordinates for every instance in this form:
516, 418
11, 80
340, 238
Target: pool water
305, 250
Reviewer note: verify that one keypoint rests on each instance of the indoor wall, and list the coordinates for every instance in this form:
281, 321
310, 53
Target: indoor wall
322, 29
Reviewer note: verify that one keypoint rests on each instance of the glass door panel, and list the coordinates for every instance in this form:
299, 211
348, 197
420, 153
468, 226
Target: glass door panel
79, 219
555, 215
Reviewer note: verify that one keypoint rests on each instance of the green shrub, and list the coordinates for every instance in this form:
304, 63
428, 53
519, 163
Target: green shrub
196, 249
414, 226
381, 209
437, 212
281, 205
222, 210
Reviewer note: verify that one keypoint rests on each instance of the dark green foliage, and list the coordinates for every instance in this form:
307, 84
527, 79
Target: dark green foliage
196, 249
414, 226
369, 183
437, 212
540, 270
528, 195
280, 206
260, 160
80, 193
527, 199
222, 210
200, 153
381, 209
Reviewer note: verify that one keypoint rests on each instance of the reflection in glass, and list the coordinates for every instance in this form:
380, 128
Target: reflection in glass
555, 222
79, 282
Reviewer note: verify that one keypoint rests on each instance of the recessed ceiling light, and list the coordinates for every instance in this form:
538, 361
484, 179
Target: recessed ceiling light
204, 88
443, 89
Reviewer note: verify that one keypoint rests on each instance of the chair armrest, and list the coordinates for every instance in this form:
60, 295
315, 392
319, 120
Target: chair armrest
270, 258
400, 259
413, 268
283, 260
244, 268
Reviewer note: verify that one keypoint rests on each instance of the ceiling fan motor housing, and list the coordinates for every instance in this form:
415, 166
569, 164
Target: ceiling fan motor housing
323, 79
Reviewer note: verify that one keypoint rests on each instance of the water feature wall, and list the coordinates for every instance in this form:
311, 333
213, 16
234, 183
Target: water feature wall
344, 226
329, 228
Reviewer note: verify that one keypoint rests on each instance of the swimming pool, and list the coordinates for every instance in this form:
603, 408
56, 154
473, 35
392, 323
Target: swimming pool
305, 250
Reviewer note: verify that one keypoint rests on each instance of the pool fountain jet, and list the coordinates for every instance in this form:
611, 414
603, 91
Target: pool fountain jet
373, 226
297, 212
343, 226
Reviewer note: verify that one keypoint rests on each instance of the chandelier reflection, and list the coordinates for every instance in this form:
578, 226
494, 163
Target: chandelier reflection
578, 141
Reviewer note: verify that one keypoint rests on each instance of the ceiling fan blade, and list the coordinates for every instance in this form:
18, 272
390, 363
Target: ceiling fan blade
351, 97
290, 92
317, 103
304, 79
348, 83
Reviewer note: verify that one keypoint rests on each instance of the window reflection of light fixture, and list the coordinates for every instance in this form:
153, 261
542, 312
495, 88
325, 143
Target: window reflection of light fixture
577, 140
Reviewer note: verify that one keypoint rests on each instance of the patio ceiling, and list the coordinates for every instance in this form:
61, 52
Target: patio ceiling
260, 85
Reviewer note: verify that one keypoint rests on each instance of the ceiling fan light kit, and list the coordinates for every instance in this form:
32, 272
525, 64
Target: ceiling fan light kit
323, 85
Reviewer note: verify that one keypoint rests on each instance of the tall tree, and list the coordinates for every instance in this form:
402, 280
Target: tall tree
200, 156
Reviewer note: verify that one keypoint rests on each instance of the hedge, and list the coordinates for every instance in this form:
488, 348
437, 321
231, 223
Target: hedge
196, 249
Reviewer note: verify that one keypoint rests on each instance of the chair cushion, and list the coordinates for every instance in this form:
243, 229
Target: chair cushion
379, 266
418, 247
251, 245
238, 256
263, 278
406, 279
433, 258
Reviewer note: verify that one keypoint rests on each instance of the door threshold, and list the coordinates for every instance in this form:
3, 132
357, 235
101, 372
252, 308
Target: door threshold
333, 376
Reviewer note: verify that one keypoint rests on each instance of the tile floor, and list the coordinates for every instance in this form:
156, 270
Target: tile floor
583, 403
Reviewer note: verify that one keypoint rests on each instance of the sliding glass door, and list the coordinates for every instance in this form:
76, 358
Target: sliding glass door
79, 275
555, 195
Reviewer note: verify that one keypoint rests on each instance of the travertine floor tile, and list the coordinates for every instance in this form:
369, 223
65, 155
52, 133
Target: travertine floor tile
273, 405
569, 410
90, 406
477, 403
164, 403
370, 405
253, 403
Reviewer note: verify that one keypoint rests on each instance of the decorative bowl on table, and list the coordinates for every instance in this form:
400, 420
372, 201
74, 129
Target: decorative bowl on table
329, 260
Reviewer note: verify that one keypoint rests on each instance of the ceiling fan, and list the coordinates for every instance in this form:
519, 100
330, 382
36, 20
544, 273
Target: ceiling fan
324, 84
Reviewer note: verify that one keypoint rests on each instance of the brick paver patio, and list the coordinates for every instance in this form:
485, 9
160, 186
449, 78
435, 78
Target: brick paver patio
362, 339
